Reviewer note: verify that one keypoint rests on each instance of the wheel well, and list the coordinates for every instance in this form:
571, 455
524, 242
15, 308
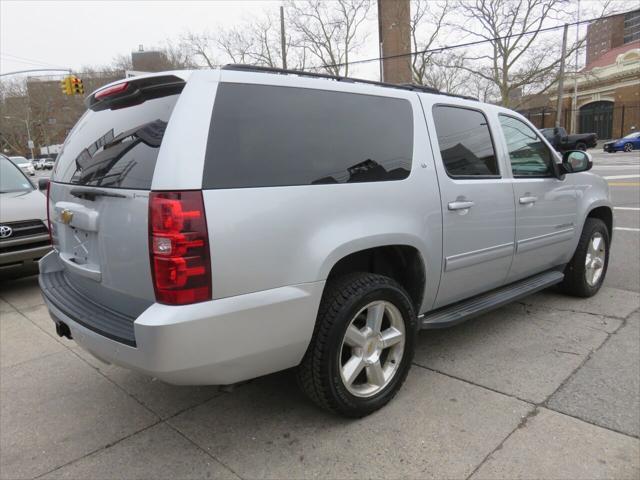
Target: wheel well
401, 262
604, 214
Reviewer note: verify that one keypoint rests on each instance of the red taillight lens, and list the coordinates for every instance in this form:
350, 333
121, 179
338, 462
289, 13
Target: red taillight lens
113, 90
179, 247
49, 213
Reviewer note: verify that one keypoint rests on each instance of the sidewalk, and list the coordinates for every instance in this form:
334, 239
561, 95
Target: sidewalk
545, 388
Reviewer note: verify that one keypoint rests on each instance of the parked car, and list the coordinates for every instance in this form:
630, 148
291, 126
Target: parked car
25, 165
628, 143
38, 163
563, 142
49, 163
24, 236
260, 219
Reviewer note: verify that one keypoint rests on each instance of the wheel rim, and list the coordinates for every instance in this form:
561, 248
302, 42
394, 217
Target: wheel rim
595, 260
372, 349
628, 147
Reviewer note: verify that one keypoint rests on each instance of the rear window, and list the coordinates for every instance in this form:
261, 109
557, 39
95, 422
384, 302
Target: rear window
115, 148
265, 136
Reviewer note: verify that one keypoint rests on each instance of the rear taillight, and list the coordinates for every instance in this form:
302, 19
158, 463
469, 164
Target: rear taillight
179, 247
49, 213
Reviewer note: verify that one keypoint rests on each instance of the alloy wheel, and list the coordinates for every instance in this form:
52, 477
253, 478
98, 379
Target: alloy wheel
595, 259
372, 349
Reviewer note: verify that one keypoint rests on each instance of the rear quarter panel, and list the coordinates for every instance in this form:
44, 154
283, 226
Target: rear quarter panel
263, 238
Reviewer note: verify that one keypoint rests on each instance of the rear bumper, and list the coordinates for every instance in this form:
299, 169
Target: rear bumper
210, 343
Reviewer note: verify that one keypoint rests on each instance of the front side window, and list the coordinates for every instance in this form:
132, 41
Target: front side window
465, 142
528, 154
267, 136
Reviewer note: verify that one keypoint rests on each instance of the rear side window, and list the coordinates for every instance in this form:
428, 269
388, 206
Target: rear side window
265, 136
116, 148
465, 142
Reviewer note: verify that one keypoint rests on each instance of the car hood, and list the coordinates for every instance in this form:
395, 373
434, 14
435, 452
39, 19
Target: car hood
18, 206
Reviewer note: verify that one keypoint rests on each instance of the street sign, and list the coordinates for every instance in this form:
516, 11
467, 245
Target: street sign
30, 144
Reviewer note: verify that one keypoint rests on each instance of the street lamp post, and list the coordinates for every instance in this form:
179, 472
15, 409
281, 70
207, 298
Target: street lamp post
30, 142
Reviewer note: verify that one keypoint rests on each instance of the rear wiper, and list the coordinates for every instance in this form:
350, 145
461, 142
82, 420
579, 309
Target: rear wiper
91, 194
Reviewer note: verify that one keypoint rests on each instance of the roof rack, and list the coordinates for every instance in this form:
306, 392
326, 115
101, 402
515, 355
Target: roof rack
283, 71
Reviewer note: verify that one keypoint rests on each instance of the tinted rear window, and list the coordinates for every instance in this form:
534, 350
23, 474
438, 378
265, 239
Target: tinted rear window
115, 148
273, 136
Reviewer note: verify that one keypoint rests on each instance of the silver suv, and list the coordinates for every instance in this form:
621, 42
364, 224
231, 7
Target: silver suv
214, 226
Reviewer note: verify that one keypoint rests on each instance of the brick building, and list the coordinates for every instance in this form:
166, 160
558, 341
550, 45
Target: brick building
608, 99
612, 32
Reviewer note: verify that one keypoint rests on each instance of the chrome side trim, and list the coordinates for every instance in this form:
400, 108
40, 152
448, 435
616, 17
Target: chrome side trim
462, 260
540, 241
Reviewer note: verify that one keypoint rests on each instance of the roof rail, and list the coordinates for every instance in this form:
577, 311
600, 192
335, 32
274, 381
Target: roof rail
283, 71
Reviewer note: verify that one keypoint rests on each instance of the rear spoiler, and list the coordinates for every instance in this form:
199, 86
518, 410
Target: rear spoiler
134, 92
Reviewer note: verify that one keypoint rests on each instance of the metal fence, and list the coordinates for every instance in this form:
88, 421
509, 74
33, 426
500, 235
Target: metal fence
602, 118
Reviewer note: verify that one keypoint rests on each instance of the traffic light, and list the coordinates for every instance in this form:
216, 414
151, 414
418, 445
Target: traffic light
77, 85
65, 85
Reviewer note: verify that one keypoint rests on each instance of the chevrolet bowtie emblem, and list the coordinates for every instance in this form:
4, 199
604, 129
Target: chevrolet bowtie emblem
66, 216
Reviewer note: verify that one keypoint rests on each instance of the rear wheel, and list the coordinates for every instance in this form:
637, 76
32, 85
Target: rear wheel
581, 146
587, 269
362, 345
628, 147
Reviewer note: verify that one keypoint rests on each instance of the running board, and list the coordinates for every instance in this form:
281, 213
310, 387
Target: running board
466, 309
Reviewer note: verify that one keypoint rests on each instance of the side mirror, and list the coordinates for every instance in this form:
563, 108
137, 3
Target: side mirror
43, 183
574, 161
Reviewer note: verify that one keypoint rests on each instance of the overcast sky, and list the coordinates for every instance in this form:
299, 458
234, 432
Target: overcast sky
73, 34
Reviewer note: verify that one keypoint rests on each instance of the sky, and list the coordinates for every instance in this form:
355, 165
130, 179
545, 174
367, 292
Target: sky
73, 34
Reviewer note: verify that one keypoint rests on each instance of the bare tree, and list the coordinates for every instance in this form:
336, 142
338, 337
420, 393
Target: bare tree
427, 20
329, 31
518, 56
200, 47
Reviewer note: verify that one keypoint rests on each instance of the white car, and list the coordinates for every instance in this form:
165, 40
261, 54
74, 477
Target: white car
25, 165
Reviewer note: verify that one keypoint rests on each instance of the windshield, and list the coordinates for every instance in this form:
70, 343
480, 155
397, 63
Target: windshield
632, 135
18, 160
12, 179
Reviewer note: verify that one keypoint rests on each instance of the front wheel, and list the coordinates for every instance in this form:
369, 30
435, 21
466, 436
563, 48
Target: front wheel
586, 271
628, 147
362, 345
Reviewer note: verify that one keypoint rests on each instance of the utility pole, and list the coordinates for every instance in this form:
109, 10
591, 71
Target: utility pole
283, 42
574, 102
561, 75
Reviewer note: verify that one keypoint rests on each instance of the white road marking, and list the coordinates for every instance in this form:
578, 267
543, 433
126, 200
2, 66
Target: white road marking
620, 177
627, 229
633, 209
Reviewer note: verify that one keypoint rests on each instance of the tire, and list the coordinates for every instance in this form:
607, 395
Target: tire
576, 275
321, 374
581, 146
628, 147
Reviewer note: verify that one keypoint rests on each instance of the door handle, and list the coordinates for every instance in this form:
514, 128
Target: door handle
460, 205
528, 200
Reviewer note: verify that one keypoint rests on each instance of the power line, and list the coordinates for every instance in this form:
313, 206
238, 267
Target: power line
17, 58
461, 45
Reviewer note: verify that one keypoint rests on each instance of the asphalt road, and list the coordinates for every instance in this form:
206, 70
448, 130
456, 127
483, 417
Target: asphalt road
622, 172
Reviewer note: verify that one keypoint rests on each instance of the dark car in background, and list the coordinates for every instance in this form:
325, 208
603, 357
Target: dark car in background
628, 143
564, 142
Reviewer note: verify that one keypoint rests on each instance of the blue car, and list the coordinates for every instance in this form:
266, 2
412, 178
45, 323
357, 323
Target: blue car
625, 144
